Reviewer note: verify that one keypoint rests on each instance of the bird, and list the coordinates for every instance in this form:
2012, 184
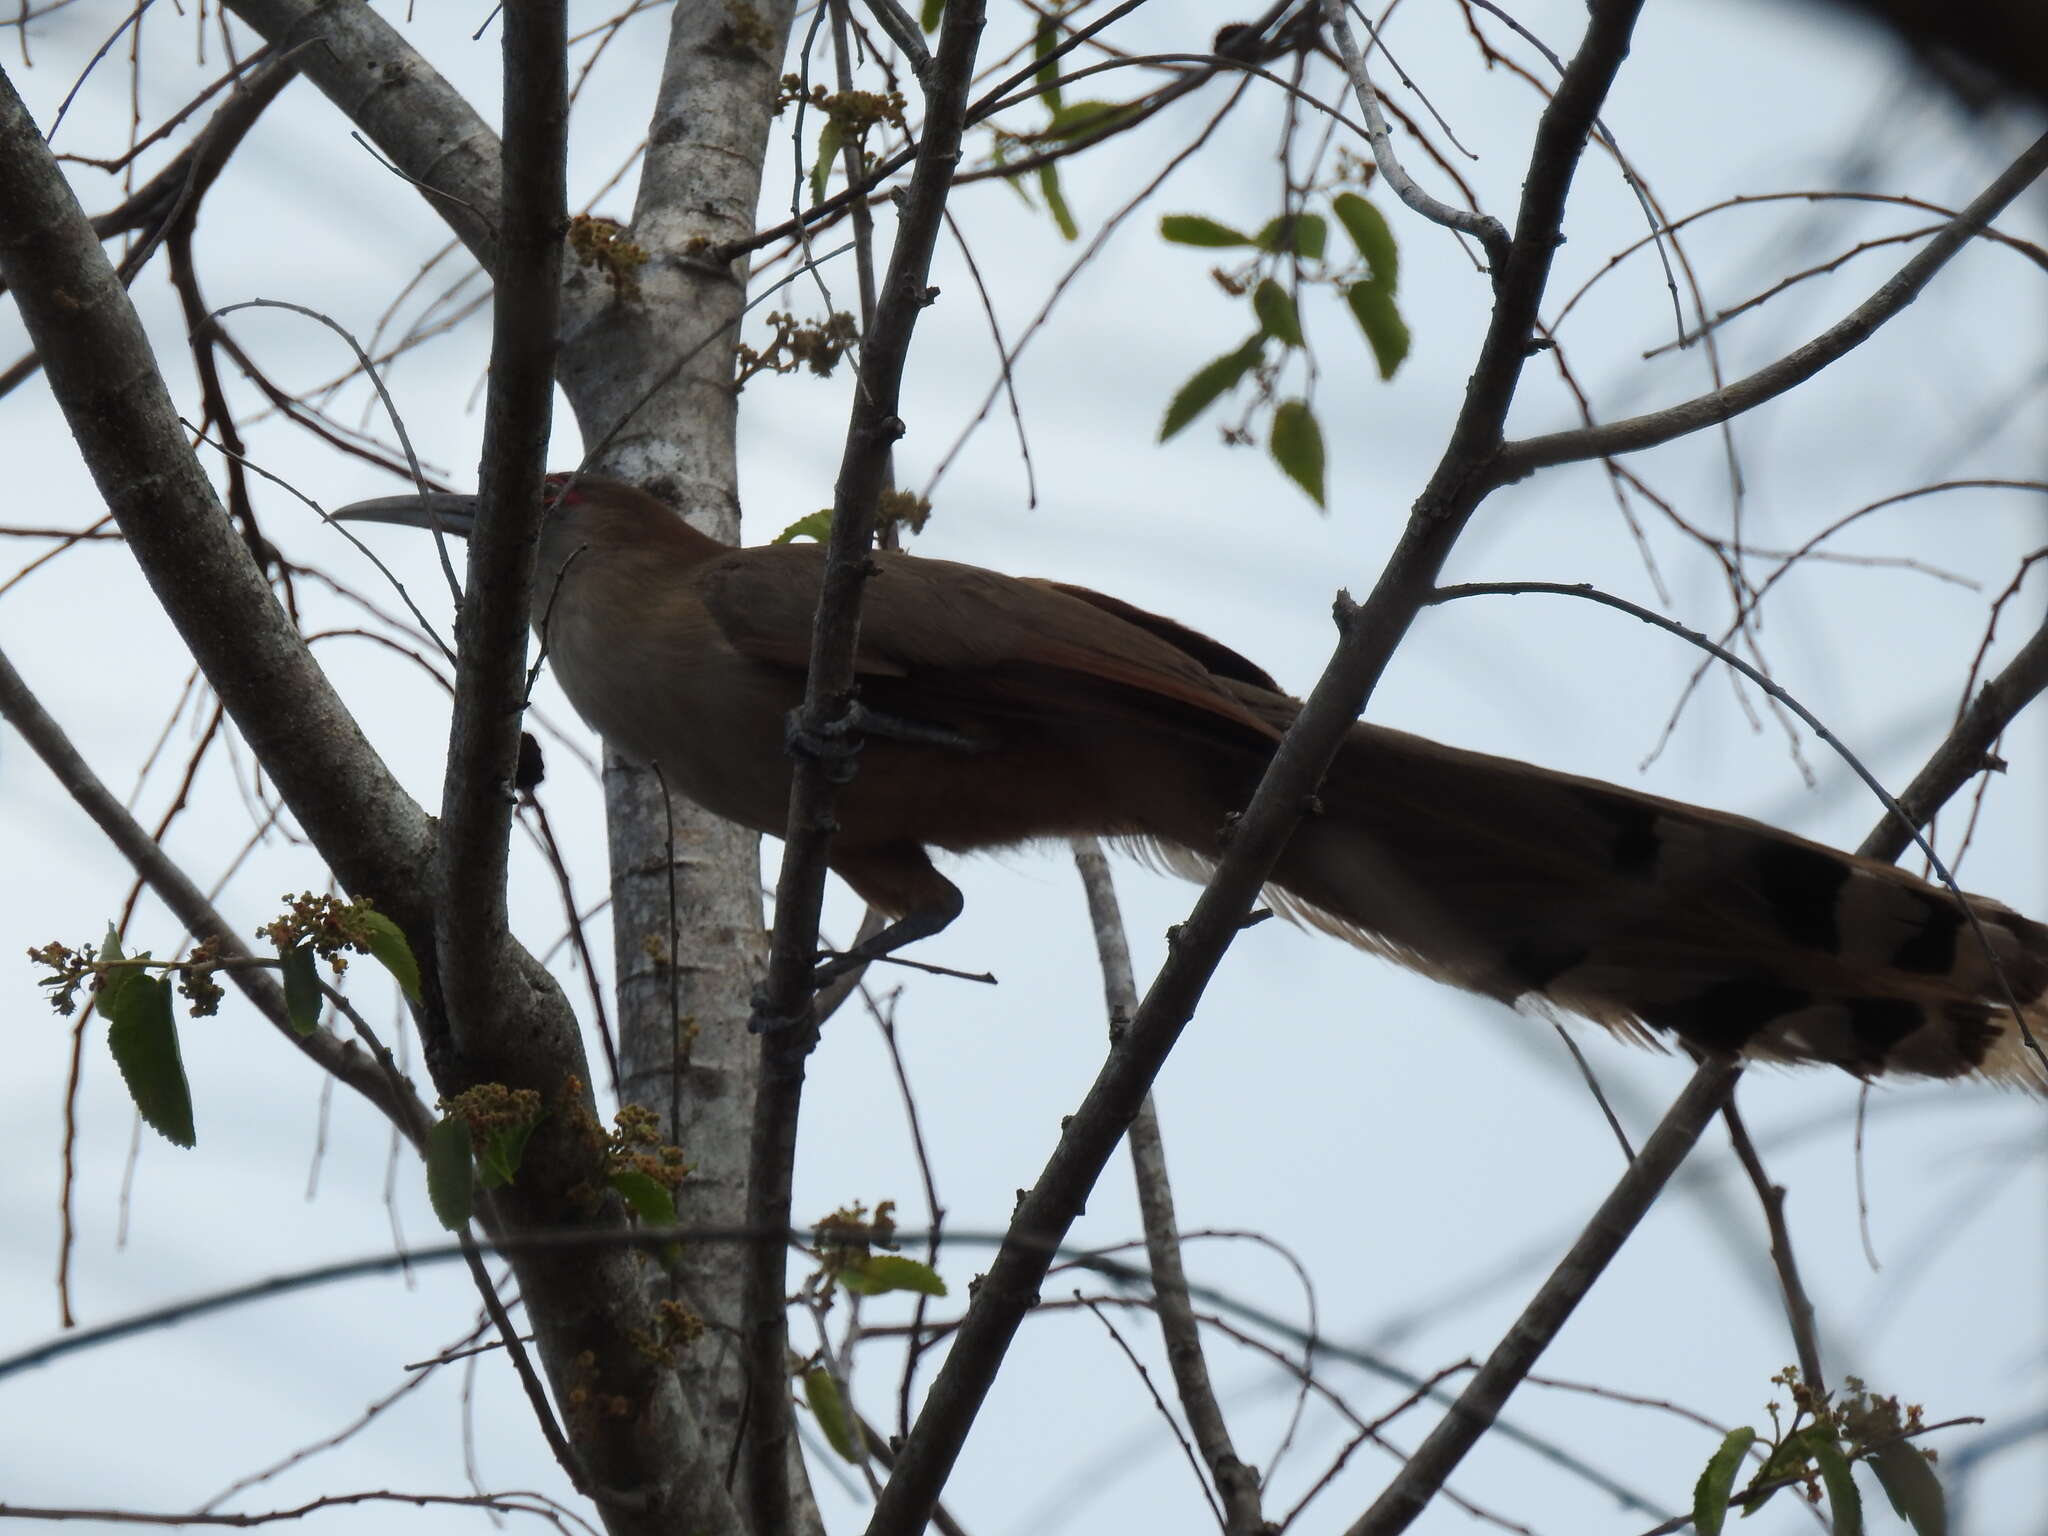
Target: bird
998, 710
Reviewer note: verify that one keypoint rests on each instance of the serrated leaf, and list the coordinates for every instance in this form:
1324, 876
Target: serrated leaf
1043, 41
817, 526
389, 949
1717, 1481
1297, 446
934, 11
1193, 229
301, 988
831, 139
1374, 237
1909, 1482
1277, 317
451, 1186
829, 1409
1845, 1504
1210, 380
1303, 234
1056, 201
1082, 117
497, 1161
652, 1201
880, 1273
144, 1038
1385, 331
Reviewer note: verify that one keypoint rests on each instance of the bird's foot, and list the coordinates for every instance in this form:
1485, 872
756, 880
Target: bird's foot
834, 746
836, 743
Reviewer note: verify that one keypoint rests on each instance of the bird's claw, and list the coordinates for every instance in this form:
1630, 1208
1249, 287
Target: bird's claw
833, 746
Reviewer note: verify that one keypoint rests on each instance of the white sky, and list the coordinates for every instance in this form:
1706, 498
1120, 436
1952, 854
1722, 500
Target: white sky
1423, 1154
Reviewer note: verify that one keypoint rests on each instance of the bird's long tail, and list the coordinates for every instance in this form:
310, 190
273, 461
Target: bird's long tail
1649, 915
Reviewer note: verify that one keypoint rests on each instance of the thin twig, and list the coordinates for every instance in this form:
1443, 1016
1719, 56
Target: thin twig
1798, 1306
786, 1000
1237, 1483
1482, 227
1633, 433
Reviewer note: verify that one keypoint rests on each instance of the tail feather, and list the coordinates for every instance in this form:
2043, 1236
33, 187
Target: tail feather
1645, 914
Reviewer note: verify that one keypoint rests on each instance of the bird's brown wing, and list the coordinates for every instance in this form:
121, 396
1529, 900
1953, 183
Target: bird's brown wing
930, 618
1213, 655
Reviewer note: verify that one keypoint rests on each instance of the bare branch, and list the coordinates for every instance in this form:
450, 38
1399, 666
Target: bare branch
1798, 1306
102, 371
786, 1002
1236, 1483
1966, 751
339, 1058
386, 88
490, 624
1482, 227
1517, 459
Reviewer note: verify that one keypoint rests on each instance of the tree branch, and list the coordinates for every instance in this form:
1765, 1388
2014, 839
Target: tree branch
1517, 459
385, 87
333, 1055
1370, 635
590, 1311
828, 691
1236, 1483
103, 374
1798, 1306
1966, 751
491, 620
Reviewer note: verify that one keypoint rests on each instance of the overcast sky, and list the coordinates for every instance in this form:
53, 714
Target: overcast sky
1424, 1156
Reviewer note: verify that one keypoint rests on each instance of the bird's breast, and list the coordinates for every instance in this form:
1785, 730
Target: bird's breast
676, 696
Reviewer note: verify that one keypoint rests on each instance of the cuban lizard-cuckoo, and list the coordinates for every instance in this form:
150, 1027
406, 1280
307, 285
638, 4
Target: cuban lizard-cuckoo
1005, 709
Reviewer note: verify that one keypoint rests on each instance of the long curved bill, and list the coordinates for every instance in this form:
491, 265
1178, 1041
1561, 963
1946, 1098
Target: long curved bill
437, 511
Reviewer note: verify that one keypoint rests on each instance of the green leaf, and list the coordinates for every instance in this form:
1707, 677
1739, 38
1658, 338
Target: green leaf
817, 526
829, 1409
1210, 380
450, 1178
497, 1161
1385, 331
1297, 446
1043, 41
1056, 202
1909, 1482
1301, 234
389, 949
301, 988
1789, 1459
831, 139
113, 981
880, 1273
1193, 229
1275, 309
1844, 1502
1370, 232
144, 1039
652, 1201
1077, 118
1717, 1481
930, 16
